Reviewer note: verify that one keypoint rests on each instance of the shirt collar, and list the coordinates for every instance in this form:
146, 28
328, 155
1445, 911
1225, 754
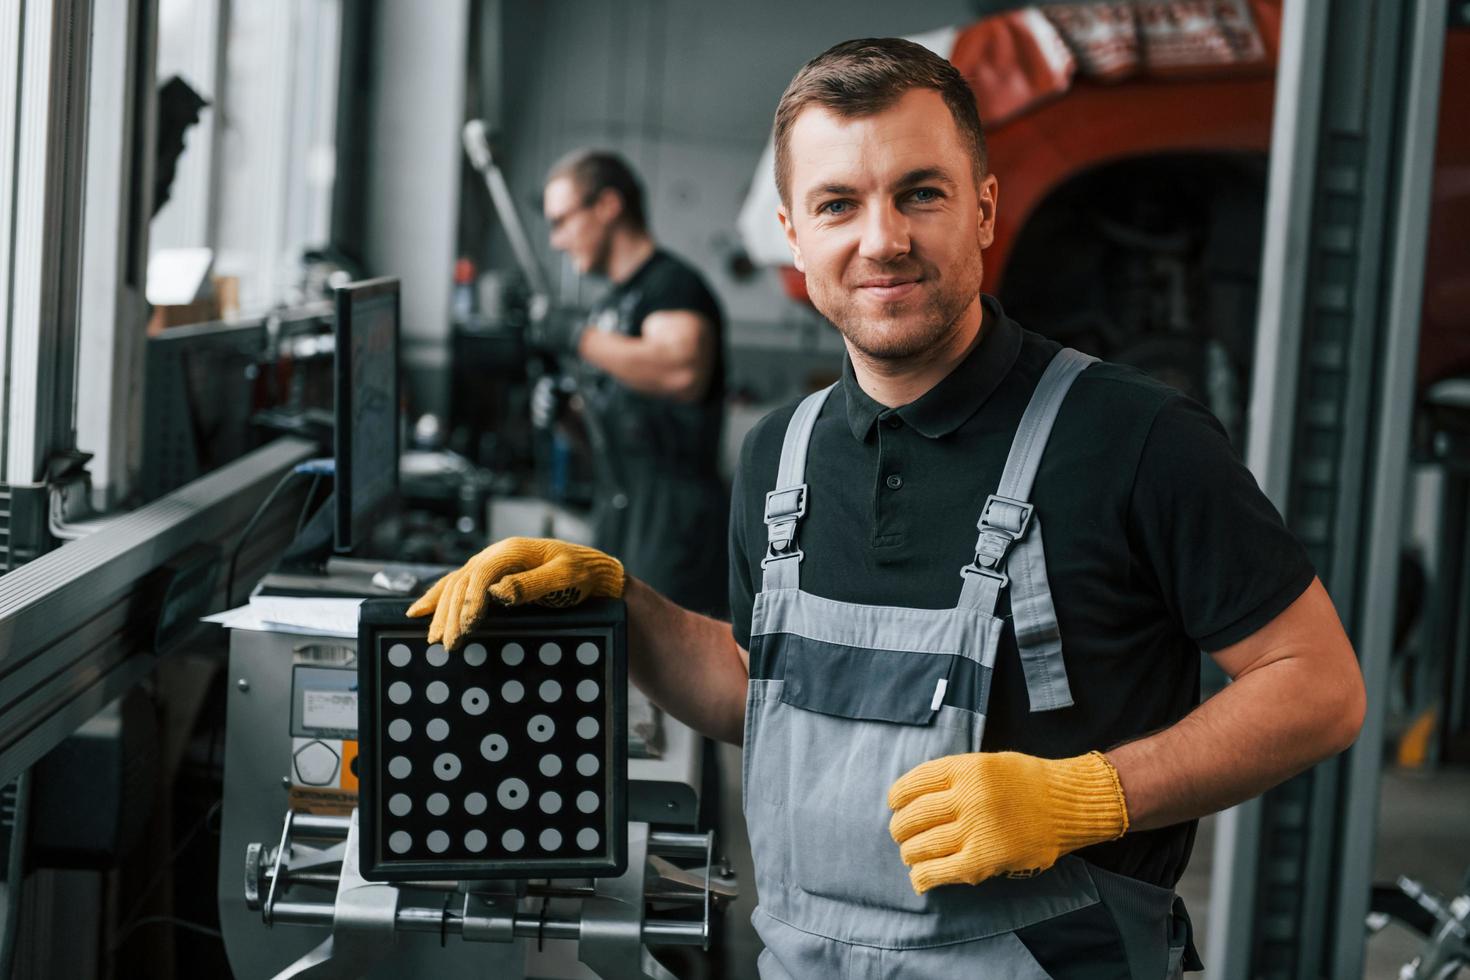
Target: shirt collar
959, 395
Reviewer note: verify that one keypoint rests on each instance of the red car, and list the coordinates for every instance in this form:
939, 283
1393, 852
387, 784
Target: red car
1131, 145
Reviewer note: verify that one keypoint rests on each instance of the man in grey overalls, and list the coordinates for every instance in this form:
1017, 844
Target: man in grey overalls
971, 750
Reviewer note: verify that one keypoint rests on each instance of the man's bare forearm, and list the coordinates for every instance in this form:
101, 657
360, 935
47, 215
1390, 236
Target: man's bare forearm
1221, 753
644, 365
688, 664
1299, 702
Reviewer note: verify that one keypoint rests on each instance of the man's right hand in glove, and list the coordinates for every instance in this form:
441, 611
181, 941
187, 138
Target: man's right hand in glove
514, 572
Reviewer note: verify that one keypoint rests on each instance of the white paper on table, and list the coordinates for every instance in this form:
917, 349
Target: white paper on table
311, 616
239, 618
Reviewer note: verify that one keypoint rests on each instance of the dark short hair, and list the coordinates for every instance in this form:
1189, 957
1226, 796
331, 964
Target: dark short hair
865, 76
595, 171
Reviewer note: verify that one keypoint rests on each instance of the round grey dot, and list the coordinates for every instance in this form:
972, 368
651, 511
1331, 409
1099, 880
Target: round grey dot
512, 654
550, 802
436, 655
475, 804
399, 805
437, 804
550, 839
399, 842
587, 654
587, 690
438, 841
493, 747
588, 839
550, 654
540, 728
513, 794
437, 729
437, 692
399, 655
550, 691
447, 766
475, 841
512, 692
588, 727
474, 701
399, 692
399, 729
587, 801
399, 767
587, 764
512, 840
549, 765
474, 655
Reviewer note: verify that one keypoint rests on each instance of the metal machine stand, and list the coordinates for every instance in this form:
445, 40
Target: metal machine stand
301, 868
611, 927
1449, 612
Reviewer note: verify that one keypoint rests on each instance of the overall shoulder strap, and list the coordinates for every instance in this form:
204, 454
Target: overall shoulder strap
786, 505
1009, 549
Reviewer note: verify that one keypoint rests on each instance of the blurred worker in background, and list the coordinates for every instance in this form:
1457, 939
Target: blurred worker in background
651, 373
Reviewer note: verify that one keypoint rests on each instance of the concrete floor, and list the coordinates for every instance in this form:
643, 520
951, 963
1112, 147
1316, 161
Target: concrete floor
1424, 832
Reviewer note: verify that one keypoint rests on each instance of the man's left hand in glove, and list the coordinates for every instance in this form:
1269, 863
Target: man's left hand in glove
514, 572
965, 818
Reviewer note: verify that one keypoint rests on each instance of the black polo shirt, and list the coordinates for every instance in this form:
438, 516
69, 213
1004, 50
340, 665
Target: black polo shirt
1158, 541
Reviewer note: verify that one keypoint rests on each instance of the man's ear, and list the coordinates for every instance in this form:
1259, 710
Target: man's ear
790, 228
988, 197
609, 206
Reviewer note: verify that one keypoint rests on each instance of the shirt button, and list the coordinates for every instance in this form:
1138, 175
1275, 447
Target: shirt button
893, 422
894, 481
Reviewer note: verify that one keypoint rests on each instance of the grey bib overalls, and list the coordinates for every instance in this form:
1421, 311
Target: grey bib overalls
845, 698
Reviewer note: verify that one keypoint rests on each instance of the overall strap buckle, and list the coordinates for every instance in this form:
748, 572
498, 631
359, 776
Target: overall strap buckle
784, 510
1002, 523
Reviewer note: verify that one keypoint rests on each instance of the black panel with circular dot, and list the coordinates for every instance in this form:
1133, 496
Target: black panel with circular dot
506, 758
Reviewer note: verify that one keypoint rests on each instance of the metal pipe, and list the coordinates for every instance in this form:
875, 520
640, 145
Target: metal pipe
313, 826
1402, 298
419, 919
318, 879
477, 147
673, 844
330, 879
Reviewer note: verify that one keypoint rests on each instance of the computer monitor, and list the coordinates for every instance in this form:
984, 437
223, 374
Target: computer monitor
365, 440
201, 385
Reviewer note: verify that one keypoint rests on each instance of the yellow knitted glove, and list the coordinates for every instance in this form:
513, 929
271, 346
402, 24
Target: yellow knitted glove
964, 818
514, 572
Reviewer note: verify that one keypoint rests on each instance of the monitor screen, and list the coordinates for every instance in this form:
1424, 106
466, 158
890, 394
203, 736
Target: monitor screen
201, 385
366, 431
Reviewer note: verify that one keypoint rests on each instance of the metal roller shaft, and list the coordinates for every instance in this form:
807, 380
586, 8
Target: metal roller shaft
417, 919
672, 844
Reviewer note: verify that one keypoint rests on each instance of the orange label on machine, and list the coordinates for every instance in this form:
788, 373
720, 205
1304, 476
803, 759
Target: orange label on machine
348, 780
323, 775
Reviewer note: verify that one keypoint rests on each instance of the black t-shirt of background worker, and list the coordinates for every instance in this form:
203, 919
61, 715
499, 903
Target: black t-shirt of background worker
1158, 542
646, 430
660, 506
